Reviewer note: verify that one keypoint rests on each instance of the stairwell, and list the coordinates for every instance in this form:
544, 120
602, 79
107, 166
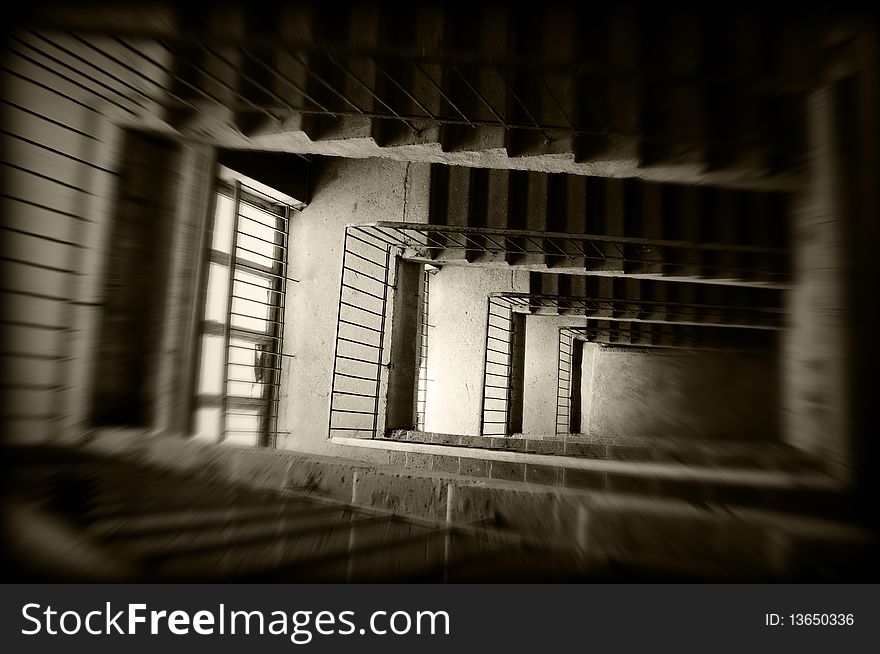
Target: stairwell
142, 507
623, 91
647, 168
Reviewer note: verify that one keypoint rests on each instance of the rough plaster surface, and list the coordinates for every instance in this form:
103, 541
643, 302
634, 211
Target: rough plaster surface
681, 394
456, 344
346, 191
542, 350
814, 370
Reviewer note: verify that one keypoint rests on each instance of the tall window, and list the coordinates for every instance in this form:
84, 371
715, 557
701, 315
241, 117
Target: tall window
242, 343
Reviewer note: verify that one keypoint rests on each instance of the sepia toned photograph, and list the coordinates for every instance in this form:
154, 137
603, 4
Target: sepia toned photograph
440, 292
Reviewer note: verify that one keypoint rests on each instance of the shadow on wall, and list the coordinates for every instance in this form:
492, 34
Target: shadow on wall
680, 394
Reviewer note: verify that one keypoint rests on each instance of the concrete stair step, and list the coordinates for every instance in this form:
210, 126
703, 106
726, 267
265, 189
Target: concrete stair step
611, 535
265, 555
428, 142
806, 492
748, 474
624, 531
241, 536
149, 522
168, 498
667, 300
429, 557
598, 90
672, 535
642, 230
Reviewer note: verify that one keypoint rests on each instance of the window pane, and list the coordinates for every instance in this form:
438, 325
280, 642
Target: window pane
242, 373
256, 238
244, 419
256, 250
218, 284
247, 439
253, 287
244, 389
244, 382
252, 309
211, 367
223, 214
208, 425
243, 427
259, 218
246, 322
242, 352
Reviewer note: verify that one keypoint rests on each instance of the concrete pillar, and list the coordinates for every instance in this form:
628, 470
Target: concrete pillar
458, 213
175, 380
400, 408
574, 394
517, 372
416, 192
813, 347
862, 237
80, 368
589, 352
831, 356
136, 285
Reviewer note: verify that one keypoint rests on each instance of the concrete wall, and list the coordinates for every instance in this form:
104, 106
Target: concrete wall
345, 191
457, 341
60, 215
64, 142
136, 284
630, 393
814, 346
542, 353
406, 328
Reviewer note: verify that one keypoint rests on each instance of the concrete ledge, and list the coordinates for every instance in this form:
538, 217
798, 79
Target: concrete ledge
421, 496
671, 534
776, 479
258, 467
729, 453
605, 526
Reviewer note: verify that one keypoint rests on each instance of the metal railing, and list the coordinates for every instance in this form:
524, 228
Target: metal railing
651, 311
495, 401
628, 255
363, 301
679, 325
621, 255
360, 332
564, 378
673, 336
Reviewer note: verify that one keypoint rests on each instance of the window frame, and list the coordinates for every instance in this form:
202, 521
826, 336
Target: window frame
242, 270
